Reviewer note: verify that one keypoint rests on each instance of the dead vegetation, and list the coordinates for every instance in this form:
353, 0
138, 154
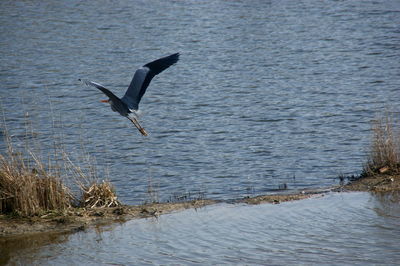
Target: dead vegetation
384, 156
29, 187
29, 191
99, 195
381, 173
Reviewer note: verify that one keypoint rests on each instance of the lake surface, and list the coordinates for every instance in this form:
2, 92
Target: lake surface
266, 93
338, 228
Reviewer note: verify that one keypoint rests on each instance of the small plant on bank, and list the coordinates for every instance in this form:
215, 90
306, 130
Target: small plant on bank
99, 195
384, 156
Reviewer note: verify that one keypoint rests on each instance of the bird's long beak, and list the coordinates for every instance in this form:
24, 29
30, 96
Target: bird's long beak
104, 101
138, 126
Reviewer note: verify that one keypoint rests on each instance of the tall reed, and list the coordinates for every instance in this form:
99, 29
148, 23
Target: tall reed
27, 188
384, 152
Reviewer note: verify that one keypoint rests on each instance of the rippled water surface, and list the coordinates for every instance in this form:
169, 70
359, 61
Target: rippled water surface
346, 228
266, 92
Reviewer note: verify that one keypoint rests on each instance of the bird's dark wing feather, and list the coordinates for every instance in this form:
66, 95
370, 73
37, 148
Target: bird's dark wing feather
159, 65
143, 77
131, 97
110, 95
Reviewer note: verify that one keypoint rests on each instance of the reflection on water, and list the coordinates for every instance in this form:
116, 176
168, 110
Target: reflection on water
28, 245
343, 228
387, 203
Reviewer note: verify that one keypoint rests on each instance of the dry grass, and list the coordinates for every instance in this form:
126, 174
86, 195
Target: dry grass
28, 191
99, 195
29, 187
384, 154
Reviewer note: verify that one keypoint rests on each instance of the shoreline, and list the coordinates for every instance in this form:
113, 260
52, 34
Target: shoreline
79, 219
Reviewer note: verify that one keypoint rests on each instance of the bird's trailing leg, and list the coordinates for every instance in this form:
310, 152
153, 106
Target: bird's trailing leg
137, 125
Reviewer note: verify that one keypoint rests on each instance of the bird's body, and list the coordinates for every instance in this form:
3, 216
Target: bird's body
128, 105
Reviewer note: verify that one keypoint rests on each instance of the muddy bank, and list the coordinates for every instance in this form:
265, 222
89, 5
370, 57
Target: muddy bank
78, 219
375, 183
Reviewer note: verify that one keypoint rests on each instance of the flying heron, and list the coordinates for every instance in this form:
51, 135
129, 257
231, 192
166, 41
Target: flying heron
128, 105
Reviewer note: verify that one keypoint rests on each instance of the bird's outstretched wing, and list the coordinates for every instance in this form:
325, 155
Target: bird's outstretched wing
142, 78
102, 88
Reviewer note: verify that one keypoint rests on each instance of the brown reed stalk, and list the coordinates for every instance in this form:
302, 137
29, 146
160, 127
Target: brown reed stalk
99, 195
30, 187
384, 155
29, 191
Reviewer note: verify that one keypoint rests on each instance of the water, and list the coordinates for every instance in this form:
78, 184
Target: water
265, 93
347, 228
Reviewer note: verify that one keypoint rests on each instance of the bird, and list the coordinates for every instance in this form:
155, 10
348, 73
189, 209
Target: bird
128, 105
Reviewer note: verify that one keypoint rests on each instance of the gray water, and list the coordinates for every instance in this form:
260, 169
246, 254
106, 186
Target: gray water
346, 228
266, 92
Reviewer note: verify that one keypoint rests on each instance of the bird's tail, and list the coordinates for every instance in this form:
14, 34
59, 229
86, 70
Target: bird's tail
138, 126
